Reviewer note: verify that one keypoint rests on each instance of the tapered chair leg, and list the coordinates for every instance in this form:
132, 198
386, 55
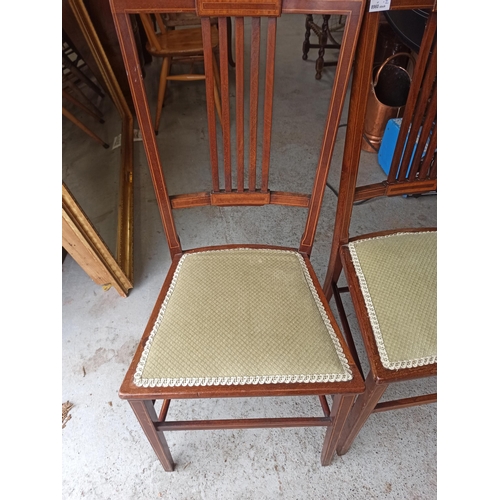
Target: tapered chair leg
146, 414
338, 413
362, 409
161, 91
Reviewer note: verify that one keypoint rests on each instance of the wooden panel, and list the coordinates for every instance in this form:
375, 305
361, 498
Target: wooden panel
190, 200
370, 191
287, 7
230, 8
234, 198
411, 187
290, 199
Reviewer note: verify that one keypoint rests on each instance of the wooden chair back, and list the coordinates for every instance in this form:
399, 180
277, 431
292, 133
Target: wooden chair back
414, 165
248, 187
150, 29
413, 171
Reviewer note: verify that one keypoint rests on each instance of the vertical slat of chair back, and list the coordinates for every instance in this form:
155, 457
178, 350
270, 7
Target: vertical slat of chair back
412, 160
150, 30
160, 22
226, 123
240, 102
212, 130
246, 179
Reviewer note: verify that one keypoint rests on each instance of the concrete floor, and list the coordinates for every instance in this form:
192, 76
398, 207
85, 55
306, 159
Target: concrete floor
104, 452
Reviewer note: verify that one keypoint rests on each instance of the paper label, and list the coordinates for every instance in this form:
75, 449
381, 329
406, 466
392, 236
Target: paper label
379, 5
117, 142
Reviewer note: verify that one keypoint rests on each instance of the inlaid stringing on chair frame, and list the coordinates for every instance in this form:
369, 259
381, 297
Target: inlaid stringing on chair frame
244, 190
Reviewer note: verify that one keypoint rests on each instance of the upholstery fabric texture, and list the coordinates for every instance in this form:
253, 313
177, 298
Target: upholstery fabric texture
241, 316
398, 278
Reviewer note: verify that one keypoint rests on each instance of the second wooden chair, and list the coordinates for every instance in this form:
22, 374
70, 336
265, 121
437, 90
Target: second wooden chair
178, 45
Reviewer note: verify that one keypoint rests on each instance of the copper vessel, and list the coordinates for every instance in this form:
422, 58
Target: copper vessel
387, 98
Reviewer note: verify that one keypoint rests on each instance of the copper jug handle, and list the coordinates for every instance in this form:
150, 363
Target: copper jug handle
412, 59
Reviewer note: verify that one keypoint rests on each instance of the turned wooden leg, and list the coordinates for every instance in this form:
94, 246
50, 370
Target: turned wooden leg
161, 91
362, 409
323, 40
339, 412
146, 414
306, 45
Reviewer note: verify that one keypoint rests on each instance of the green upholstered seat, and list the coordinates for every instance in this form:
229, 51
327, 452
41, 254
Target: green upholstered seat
241, 316
398, 278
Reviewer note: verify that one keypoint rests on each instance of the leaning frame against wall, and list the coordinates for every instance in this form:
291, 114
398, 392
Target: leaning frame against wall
80, 238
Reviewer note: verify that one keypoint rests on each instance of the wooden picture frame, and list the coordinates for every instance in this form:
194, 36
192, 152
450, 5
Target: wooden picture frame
80, 237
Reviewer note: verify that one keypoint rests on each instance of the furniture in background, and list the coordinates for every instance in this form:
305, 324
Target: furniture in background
80, 238
74, 77
325, 41
246, 320
99, 13
391, 275
182, 46
72, 118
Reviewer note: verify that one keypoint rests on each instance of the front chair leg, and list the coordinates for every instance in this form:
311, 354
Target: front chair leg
338, 413
146, 414
362, 409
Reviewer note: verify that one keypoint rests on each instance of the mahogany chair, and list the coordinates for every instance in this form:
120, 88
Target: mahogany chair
246, 320
179, 45
391, 275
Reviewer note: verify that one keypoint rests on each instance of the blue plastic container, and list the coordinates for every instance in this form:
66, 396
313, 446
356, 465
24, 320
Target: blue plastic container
388, 145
